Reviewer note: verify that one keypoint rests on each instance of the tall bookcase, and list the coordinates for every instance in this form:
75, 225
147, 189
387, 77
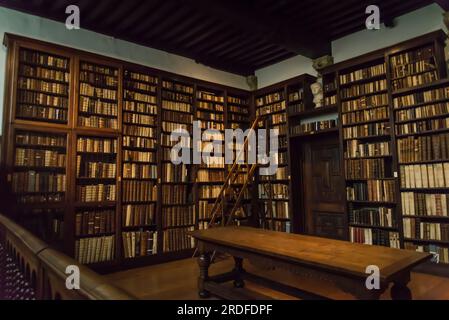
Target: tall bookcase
90, 137
280, 107
392, 106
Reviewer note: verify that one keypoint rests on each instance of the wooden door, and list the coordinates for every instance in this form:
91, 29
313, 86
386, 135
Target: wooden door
323, 185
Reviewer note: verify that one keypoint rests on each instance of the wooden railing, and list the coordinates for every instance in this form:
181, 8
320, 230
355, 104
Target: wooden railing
30, 269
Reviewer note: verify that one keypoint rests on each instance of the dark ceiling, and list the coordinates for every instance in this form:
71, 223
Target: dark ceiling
238, 36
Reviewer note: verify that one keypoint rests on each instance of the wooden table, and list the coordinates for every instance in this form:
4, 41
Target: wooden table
338, 262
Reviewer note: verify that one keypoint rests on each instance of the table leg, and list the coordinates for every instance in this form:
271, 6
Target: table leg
204, 263
238, 270
400, 291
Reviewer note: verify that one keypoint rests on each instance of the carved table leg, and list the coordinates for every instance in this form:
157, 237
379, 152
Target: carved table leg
400, 291
238, 269
204, 263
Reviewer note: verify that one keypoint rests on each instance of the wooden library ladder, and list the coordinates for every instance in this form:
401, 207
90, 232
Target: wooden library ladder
220, 208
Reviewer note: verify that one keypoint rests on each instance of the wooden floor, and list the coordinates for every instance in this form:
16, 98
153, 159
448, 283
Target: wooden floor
178, 281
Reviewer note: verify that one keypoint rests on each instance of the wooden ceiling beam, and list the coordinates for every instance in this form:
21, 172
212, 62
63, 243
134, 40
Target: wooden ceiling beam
251, 20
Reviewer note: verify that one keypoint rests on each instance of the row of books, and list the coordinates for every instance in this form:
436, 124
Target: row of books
179, 117
269, 109
210, 116
140, 107
178, 216
29, 138
177, 87
38, 182
99, 93
367, 130
39, 158
414, 229
441, 254
270, 98
88, 105
96, 145
178, 240
94, 222
365, 169
278, 210
238, 109
313, 126
138, 156
376, 217
277, 191
364, 89
177, 97
140, 97
424, 204
139, 171
210, 106
331, 100
362, 74
421, 97
137, 76
425, 176
357, 149
209, 96
43, 73
422, 126
99, 170
413, 68
375, 237
98, 80
139, 119
296, 108
99, 69
279, 226
42, 99
95, 250
405, 58
212, 125
423, 148
97, 122
171, 127
139, 85
209, 192
43, 59
43, 86
41, 113
210, 176
25, 198
363, 103
138, 191
415, 80
176, 106
175, 173
296, 95
433, 110
176, 194
138, 131
380, 113
96, 193
139, 215
139, 142
372, 190
205, 210
139, 244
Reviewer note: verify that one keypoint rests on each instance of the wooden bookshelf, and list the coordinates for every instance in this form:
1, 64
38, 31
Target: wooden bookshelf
178, 209
420, 112
147, 203
140, 116
392, 102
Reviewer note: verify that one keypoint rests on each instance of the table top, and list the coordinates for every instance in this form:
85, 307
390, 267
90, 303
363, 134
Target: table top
331, 255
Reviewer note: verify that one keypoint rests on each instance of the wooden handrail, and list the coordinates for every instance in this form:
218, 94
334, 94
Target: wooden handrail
43, 268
